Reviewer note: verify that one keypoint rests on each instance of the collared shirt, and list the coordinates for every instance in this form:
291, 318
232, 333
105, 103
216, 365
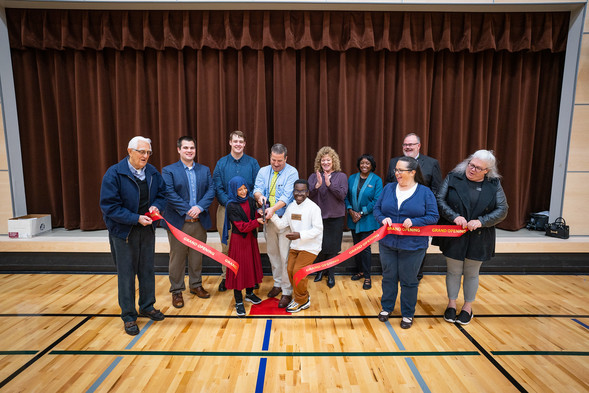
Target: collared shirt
138, 173
284, 184
306, 220
227, 168
191, 186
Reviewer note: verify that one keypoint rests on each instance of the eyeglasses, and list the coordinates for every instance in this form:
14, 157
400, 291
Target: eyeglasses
144, 152
402, 170
409, 144
476, 168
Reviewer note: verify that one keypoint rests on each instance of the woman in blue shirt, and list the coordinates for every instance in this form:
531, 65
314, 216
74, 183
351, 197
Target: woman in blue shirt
364, 188
410, 203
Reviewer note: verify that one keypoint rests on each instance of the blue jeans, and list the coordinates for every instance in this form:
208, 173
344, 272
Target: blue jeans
400, 266
363, 258
134, 257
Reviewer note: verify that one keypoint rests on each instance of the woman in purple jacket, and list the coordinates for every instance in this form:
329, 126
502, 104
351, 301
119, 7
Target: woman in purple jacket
408, 202
328, 188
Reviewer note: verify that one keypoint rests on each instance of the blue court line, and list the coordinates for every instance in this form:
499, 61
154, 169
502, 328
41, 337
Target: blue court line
112, 366
263, 361
581, 323
410, 363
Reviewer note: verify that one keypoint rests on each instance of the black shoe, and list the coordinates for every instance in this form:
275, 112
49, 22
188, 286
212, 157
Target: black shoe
450, 315
131, 328
154, 315
367, 284
240, 309
419, 277
406, 322
257, 286
252, 298
318, 276
222, 287
357, 276
331, 281
464, 318
383, 316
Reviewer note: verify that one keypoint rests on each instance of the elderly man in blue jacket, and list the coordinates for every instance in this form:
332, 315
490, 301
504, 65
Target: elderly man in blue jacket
189, 192
130, 189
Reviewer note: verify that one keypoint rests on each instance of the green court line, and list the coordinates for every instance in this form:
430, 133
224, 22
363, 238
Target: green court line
18, 352
264, 353
540, 353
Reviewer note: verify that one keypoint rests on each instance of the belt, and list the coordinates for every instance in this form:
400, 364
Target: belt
192, 220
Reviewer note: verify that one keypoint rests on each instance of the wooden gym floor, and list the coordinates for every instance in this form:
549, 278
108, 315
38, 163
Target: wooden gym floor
62, 333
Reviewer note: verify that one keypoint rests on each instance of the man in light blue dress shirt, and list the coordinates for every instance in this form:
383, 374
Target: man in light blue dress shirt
274, 191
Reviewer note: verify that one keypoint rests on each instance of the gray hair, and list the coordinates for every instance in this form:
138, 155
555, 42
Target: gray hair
486, 156
413, 134
278, 148
134, 142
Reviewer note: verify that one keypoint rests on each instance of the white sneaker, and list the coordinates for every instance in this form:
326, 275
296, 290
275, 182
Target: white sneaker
295, 307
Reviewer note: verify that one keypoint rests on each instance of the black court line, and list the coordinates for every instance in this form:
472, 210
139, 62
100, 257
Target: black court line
194, 316
40, 354
541, 353
265, 354
489, 357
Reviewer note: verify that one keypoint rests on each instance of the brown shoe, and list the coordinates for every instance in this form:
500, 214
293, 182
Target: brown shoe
200, 292
284, 301
274, 291
177, 300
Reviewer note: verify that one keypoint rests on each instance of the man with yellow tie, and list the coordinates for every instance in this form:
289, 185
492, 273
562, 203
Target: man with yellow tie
273, 191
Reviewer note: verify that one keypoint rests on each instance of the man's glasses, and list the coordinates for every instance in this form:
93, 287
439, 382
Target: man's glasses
144, 152
476, 168
409, 144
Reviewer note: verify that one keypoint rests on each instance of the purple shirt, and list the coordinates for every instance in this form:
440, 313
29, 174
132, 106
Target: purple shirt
332, 199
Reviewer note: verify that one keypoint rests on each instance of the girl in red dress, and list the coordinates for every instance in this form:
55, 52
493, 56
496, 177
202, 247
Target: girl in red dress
244, 219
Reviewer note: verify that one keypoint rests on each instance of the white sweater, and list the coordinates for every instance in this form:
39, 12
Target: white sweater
306, 220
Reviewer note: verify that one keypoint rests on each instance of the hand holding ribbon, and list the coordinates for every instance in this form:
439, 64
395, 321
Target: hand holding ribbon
197, 244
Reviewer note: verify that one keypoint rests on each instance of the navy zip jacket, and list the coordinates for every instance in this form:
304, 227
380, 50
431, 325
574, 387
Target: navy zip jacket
421, 208
119, 197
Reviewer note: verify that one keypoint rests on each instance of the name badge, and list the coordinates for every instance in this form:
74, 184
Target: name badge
296, 217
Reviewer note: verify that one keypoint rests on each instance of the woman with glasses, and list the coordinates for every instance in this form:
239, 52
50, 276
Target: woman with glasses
471, 196
364, 188
409, 203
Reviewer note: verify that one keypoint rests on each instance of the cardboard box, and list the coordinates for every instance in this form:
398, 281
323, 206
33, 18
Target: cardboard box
28, 226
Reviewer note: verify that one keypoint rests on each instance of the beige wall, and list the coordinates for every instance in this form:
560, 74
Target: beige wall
5, 194
576, 195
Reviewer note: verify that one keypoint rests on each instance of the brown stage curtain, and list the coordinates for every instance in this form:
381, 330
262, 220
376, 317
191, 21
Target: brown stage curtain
78, 107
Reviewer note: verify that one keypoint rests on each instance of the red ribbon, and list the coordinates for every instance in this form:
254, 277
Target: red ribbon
395, 229
197, 244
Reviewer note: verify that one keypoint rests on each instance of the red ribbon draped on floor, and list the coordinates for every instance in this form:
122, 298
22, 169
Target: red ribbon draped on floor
198, 245
395, 229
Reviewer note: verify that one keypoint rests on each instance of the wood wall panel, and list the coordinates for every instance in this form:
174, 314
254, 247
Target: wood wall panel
582, 90
579, 145
5, 202
576, 208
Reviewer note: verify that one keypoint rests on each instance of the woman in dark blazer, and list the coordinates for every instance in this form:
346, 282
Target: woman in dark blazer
471, 196
364, 189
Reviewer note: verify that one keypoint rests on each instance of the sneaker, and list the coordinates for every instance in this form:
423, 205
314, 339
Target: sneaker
252, 298
240, 309
406, 322
367, 284
450, 315
464, 318
295, 307
383, 316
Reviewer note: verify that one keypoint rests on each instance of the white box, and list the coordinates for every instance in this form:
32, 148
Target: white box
28, 226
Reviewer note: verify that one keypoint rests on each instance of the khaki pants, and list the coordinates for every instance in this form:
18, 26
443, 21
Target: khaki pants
225, 247
296, 261
178, 254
